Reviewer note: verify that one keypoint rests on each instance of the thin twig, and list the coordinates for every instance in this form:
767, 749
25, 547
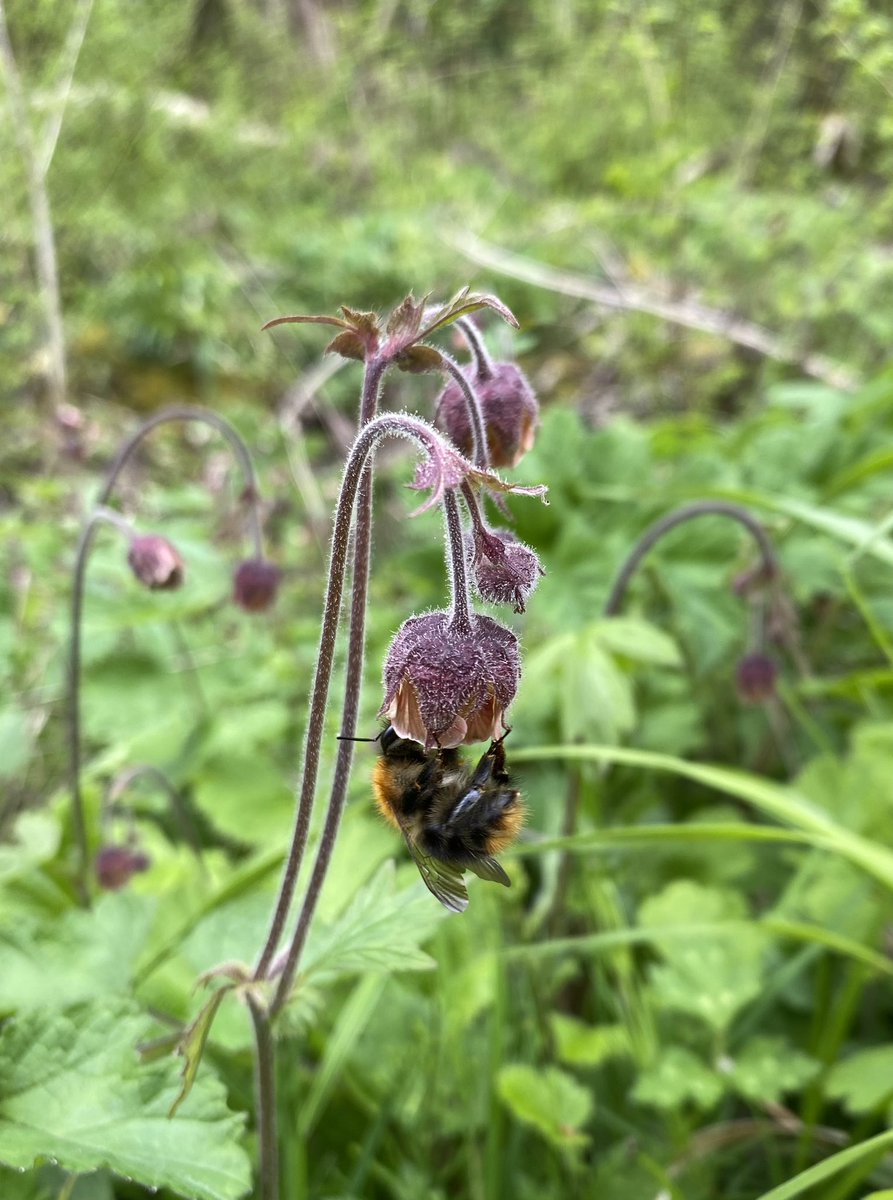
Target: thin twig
46, 263
689, 314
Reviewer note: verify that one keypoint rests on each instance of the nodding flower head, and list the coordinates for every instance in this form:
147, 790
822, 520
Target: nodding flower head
255, 584
446, 684
155, 562
115, 866
510, 411
504, 570
755, 678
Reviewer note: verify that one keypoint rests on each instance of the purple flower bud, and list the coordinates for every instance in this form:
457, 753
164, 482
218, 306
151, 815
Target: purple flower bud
755, 678
255, 584
116, 865
505, 571
155, 562
445, 684
510, 411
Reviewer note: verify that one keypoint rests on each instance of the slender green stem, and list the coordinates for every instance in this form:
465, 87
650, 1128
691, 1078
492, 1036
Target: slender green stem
100, 516
265, 1091
127, 778
688, 512
187, 413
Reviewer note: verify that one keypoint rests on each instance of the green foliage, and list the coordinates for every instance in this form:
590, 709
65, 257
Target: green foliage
696, 1002
73, 1091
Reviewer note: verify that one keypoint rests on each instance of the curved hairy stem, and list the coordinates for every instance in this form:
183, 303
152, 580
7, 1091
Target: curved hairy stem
460, 596
187, 413
483, 363
688, 512
480, 452
100, 516
386, 425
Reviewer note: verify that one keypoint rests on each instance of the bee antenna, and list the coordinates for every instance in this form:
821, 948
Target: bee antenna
342, 737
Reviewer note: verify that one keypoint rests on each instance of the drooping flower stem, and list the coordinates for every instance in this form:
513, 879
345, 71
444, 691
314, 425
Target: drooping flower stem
688, 512
100, 516
480, 452
769, 571
352, 688
354, 471
188, 413
483, 363
460, 595
130, 775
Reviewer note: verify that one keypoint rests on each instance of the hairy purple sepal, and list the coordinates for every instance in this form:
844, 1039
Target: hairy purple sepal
504, 570
446, 684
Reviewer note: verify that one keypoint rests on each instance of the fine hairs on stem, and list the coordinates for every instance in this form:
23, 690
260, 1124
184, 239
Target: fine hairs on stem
480, 452
386, 425
483, 363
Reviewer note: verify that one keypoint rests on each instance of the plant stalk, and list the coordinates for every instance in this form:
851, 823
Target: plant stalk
100, 516
241, 453
688, 512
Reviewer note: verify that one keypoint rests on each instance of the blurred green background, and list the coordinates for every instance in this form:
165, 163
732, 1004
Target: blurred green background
688, 209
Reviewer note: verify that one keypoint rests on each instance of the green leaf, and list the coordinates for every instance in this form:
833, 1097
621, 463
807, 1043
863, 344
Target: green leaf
783, 804
34, 840
582, 1045
381, 930
75, 957
710, 977
678, 1077
768, 1067
864, 1080
71, 1089
548, 1099
830, 1167
192, 1044
637, 640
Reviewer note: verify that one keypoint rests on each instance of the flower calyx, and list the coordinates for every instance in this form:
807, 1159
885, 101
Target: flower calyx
115, 866
504, 570
256, 584
755, 678
444, 467
448, 683
398, 339
155, 562
509, 407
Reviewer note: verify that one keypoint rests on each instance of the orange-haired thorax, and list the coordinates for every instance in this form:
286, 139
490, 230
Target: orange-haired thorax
507, 827
387, 793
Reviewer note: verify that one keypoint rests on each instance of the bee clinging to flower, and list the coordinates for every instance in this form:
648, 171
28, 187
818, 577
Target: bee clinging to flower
453, 818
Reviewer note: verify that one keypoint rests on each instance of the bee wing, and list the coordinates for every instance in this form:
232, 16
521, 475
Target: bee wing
442, 880
486, 867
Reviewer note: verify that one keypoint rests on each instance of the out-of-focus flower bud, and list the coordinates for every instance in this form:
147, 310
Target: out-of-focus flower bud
155, 562
510, 411
504, 570
116, 865
255, 584
445, 685
755, 678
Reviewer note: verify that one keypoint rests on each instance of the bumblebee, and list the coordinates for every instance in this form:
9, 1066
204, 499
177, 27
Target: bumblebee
452, 817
